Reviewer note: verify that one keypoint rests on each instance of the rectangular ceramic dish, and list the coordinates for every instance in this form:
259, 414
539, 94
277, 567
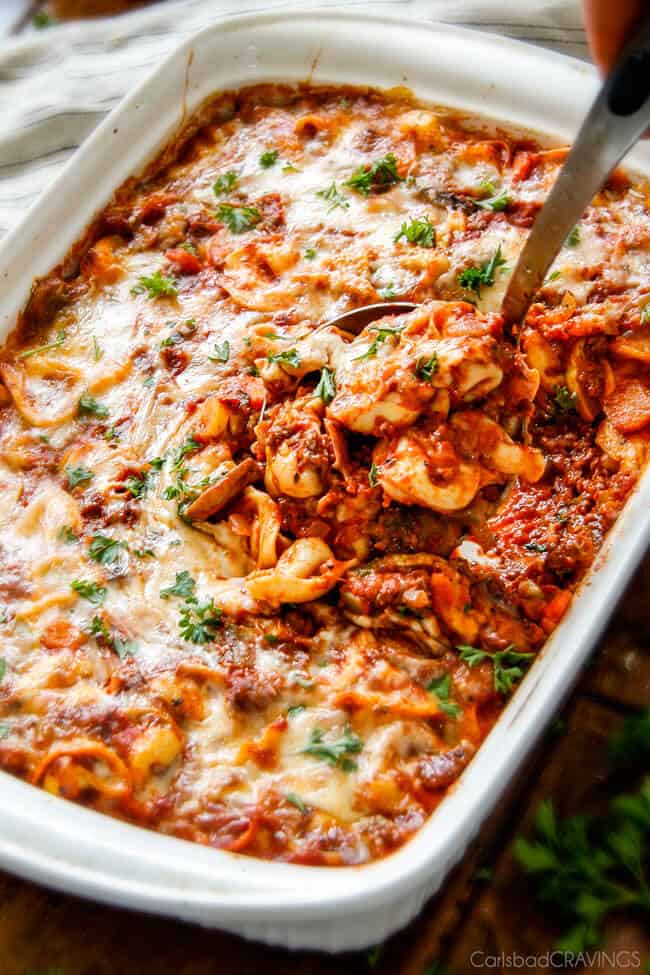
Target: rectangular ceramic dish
63, 845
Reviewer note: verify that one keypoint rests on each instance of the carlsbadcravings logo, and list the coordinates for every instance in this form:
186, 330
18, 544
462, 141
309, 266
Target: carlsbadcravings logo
616, 960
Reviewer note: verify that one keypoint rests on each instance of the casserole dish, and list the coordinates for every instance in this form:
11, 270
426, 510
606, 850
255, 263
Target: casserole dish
58, 844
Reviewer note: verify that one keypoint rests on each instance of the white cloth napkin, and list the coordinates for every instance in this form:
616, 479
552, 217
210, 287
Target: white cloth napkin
57, 84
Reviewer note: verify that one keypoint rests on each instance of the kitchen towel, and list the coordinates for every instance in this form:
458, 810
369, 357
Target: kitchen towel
58, 83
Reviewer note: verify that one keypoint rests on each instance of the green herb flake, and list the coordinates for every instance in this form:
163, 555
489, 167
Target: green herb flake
190, 446
381, 335
310, 254
67, 535
54, 344
376, 177
326, 387
199, 621
334, 753
373, 475
238, 219
221, 352
441, 687
482, 275
574, 238
420, 232
183, 587
156, 285
507, 664
333, 198
104, 550
3, 668
294, 710
496, 203
89, 406
91, 591
290, 357
425, 369
563, 402
138, 484
4, 730
124, 648
226, 182
296, 801
645, 314
78, 475
41, 21
269, 158
97, 350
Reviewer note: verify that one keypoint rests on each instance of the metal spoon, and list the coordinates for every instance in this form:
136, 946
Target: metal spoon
616, 121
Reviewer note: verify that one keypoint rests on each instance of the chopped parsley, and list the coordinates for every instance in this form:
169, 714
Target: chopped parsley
238, 219
482, 275
156, 285
291, 357
383, 333
326, 388
441, 687
97, 350
91, 591
138, 484
124, 648
296, 801
553, 276
574, 238
295, 709
507, 664
334, 753
104, 549
289, 168
67, 535
99, 629
269, 158
4, 730
333, 198
563, 402
497, 202
183, 587
425, 369
199, 622
78, 475
372, 475
420, 232
42, 20
310, 254
221, 352
226, 182
3, 667
54, 344
377, 177
645, 314
190, 446
89, 406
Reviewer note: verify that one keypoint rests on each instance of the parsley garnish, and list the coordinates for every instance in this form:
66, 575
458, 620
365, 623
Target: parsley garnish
645, 314
482, 275
41, 21
574, 238
99, 629
94, 593
221, 352
326, 388
310, 254
553, 276
420, 232
382, 334
199, 621
189, 447
54, 344
97, 349
589, 866
124, 648
104, 549
183, 587
227, 182
334, 752
425, 369
138, 484
78, 475
89, 406
372, 475
441, 687
67, 535
377, 177
295, 709
238, 219
563, 402
296, 801
291, 357
4, 730
269, 158
3, 667
332, 197
157, 285
497, 202
506, 664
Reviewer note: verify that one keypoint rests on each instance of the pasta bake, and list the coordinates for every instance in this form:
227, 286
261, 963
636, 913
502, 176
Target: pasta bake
266, 585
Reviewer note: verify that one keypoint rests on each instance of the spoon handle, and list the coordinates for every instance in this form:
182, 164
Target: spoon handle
616, 121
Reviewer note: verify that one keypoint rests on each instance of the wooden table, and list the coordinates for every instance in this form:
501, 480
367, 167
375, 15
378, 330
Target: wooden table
486, 907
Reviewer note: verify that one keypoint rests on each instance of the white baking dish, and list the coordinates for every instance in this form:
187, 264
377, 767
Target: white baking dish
63, 845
